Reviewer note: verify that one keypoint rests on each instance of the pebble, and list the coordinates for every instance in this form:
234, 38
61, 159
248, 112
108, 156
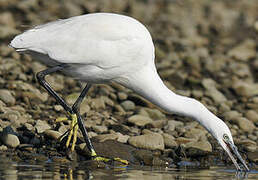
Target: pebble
157, 124
122, 138
128, 105
41, 126
155, 114
252, 116
105, 137
195, 133
245, 124
152, 141
169, 141
52, 134
100, 129
139, 120
122, 96
197, 148
10, 140
244, 51
7, 97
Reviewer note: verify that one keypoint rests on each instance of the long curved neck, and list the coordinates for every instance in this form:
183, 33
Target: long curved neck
148, 84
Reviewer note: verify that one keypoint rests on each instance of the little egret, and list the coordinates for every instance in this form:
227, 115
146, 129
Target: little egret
106, 47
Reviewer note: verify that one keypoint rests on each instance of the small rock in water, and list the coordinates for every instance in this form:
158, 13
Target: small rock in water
198, 148
8, 138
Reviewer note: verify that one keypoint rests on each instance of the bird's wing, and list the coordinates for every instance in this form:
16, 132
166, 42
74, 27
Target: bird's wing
86, 39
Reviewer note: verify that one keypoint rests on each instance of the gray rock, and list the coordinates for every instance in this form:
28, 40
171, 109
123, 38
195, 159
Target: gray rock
3, 148
7, 97
100, 129
195, 133
252, 115
169, 141
244, 51
10, 140
157, 124
105, 137
230, 115
41, 126
139, 120
122, 138
152, 141
246, 89
155, 113
172, 124
97, 103
52, 134
183, 140
245, 124
198, 148
6, 31
128, 105
122, 96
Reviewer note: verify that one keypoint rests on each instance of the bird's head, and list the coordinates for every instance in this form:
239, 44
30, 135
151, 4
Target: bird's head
224, 138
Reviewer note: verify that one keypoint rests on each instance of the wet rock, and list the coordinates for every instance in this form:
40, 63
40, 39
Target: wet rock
231, 115
128, 105
139, 120
169, 141
183, 140
7, 97
7, 31
155, 114
244, 51
172, 124
198, 148
58, 108
151, 141
42, 126
97, 103
122, 138
195, 133
100, 129
105, 137
253, 156
245, 124
35, 95
157, 124
122, 96
248, 145
52, 134
246, 89
252, 115
3, 148
8, 138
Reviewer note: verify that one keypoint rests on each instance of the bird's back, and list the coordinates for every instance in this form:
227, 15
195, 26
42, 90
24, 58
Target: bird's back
103, 39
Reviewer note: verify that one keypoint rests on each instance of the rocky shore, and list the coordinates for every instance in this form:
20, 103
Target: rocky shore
205, 49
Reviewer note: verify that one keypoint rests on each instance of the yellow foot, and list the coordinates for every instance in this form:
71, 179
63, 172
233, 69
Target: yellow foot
98, 158
73, 130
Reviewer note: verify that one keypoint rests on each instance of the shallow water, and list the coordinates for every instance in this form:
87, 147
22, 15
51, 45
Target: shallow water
30, 170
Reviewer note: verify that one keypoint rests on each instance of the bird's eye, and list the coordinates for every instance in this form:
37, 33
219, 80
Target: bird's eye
225, 137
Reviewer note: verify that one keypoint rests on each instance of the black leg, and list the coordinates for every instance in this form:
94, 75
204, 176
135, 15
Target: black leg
41, 78
75, 108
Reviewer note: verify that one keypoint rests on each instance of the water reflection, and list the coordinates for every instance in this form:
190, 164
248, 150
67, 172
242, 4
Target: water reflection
10, 170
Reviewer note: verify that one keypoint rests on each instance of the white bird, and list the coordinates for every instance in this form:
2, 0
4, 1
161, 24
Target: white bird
105, 47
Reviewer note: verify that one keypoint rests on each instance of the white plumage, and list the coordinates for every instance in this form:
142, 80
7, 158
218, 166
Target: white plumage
105, 47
